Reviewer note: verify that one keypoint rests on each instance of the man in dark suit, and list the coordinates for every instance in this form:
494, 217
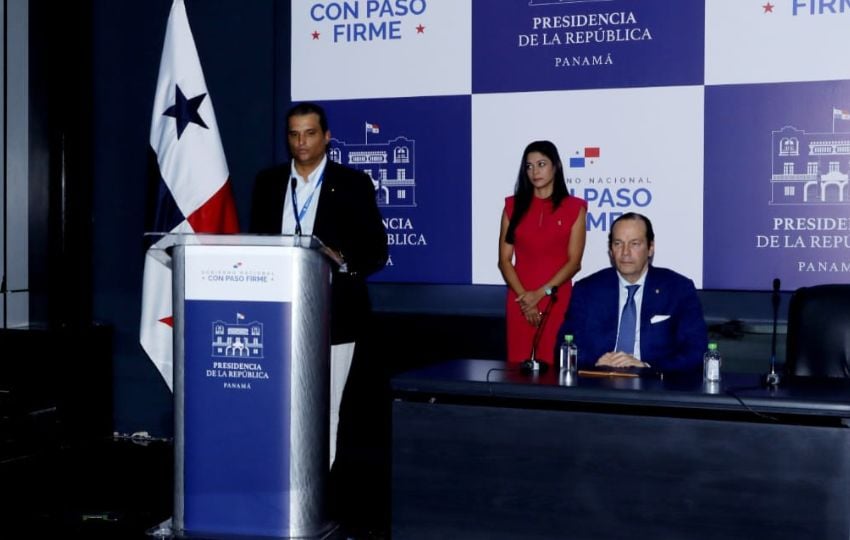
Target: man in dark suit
314, 195
636, 315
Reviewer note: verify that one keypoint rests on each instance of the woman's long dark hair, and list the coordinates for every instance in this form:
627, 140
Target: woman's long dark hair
524, 189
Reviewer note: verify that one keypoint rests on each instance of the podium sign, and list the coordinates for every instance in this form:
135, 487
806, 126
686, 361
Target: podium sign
250, 387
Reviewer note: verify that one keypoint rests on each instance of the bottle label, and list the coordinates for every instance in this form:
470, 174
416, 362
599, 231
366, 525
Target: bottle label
712, 370
572, 360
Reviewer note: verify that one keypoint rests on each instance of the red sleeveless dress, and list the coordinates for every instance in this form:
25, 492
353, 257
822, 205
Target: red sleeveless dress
541, 247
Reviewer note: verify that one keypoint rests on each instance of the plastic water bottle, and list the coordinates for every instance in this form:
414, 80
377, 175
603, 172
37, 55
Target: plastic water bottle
568, 355
563, 354
572, 357
711, 363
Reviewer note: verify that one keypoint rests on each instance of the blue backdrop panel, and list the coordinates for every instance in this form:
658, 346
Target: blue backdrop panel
417, 153
777, 160
561, 45
237, 418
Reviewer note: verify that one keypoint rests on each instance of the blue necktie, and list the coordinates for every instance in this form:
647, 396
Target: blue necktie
628, 323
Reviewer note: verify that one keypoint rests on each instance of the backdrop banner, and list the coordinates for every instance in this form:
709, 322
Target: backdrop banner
727, 122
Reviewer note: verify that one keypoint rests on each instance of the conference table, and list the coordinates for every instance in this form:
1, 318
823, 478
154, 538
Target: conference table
480, 450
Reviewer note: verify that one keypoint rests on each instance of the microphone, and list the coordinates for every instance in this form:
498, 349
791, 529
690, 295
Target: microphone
293, 183
772, 378
532, 365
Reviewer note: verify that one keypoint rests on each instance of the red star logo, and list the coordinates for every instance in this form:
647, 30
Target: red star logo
315, 34
768, 8
420, 29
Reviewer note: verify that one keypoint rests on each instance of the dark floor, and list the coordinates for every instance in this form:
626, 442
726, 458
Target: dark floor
110, 488
103, 488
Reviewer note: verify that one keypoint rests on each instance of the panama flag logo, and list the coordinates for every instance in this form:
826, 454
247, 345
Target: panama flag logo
582, 159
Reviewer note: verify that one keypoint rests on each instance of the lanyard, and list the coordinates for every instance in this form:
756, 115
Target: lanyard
300, 215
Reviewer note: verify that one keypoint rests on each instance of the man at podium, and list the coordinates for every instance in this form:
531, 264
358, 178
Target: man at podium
313, 195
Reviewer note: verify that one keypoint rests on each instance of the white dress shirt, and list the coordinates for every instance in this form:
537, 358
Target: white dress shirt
303, 190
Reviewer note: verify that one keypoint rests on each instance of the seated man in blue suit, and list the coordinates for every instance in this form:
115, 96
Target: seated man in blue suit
636, 315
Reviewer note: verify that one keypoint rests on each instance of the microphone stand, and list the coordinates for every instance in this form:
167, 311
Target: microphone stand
773, 378
532, 365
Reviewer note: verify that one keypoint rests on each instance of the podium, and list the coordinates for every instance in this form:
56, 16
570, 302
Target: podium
251, 368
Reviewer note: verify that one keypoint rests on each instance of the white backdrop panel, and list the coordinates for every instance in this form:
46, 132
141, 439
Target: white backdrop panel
757, 41
650, 161
361, 49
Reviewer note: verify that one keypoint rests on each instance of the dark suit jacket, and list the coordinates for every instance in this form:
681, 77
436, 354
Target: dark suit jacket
675, 343
348, 221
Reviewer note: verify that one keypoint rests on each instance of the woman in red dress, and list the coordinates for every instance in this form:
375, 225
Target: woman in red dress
540, 248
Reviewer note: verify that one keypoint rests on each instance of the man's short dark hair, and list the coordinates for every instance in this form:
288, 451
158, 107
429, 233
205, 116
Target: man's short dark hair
650, 234
308, 108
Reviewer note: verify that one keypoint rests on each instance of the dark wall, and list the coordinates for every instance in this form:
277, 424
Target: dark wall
59, 166
236, 42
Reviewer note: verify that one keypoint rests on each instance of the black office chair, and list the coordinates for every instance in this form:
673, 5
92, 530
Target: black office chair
818, 341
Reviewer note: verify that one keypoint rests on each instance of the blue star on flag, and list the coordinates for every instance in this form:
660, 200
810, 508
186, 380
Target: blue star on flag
185, 111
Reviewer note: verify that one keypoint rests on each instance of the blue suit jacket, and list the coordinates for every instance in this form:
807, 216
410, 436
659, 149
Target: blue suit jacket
675, 343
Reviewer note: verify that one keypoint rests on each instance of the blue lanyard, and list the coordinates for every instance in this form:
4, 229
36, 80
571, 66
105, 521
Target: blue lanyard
309, 200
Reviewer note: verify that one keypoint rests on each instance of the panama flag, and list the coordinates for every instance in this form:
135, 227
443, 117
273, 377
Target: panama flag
372, 128
840, 113
190, 184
